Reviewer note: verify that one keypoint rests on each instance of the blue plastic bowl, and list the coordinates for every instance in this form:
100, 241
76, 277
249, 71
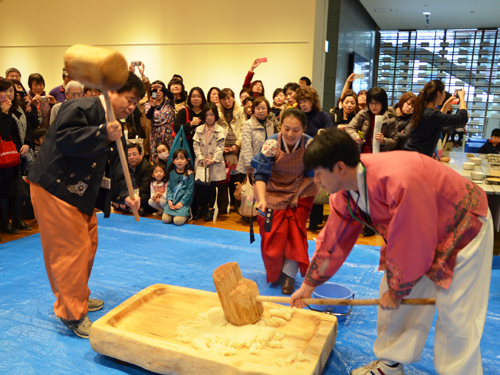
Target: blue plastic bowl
333, 290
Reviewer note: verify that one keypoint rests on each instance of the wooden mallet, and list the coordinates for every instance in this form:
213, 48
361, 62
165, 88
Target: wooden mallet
242, 303
106, 70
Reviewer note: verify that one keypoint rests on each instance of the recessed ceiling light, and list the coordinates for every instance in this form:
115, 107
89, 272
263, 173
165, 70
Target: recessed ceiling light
427, 13
382, 10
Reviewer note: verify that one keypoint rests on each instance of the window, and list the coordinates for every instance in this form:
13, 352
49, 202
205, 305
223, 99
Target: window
465, 59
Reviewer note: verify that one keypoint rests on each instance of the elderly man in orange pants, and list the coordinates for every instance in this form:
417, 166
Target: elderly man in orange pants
77, 170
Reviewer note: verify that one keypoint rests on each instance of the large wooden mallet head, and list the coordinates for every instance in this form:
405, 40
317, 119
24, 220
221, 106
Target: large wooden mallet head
238, 296
96, 67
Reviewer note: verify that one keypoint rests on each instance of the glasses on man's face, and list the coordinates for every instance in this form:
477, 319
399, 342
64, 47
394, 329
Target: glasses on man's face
75, 95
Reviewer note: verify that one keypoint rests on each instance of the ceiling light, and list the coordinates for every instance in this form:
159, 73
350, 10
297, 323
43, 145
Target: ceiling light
382, 10
427, 13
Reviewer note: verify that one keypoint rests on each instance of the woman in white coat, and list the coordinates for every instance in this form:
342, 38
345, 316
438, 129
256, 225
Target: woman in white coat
231, 118
208, 143
254, 133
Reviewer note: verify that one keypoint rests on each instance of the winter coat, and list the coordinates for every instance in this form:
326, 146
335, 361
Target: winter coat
215, 151
253, 136
362, 123
236, 123
404, 130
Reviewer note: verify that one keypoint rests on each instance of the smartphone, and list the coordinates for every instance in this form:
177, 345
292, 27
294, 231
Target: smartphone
44, 99
359, 76
261, 213
154, 93
3, 98
262, 60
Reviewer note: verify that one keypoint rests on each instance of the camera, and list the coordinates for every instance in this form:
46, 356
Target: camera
22, 94
154, 93
44, 99
455, 94
136, 63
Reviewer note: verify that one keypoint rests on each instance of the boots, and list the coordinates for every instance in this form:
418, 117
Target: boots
17, 216
20, 224
5, 225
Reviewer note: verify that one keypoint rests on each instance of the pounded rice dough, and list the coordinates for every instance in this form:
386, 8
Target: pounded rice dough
277, 322
282, 362
285, 313
213, 333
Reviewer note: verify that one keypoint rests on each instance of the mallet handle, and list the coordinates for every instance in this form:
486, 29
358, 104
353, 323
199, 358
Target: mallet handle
342, 301
119, 146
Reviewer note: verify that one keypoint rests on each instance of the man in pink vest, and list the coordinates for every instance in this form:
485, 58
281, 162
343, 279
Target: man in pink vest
438, 236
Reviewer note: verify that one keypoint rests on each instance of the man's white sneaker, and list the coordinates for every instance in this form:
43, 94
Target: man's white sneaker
378, 368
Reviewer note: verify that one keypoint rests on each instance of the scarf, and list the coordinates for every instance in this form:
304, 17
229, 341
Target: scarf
28, 161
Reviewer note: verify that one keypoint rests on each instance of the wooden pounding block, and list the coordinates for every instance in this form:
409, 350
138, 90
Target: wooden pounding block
96, 67
237, 295
142, 330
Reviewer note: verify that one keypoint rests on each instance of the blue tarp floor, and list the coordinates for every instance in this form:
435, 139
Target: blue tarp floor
132, 256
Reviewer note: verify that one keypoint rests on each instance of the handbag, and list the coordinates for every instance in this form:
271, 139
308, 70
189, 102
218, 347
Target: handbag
20, 188
239, 186
180, 141
247, 207
202, 176
9, 157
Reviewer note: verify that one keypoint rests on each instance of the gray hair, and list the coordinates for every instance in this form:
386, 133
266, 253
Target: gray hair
74, 84
10, 70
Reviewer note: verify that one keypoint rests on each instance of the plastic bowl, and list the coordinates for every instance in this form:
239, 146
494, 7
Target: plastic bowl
333, 290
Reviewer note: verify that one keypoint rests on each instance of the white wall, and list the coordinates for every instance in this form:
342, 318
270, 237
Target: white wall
210, 43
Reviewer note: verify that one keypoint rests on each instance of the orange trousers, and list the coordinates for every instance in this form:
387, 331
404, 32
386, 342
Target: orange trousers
69, 243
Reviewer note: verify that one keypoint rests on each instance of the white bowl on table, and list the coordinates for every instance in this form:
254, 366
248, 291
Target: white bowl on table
477, 161
477, 176
469, 165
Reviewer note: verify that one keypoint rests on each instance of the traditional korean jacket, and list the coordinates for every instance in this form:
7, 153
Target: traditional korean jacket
425, 211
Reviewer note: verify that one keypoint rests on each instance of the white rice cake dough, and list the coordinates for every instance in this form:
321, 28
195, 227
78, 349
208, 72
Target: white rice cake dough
276, 322
292, 358
285, 313
213, 333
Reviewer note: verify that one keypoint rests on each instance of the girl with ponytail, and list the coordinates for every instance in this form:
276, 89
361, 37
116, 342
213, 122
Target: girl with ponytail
428, 122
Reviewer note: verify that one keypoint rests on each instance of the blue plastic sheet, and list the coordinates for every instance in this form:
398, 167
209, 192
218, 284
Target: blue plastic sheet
132, 256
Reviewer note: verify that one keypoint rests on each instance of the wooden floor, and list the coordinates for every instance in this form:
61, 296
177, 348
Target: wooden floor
232, 221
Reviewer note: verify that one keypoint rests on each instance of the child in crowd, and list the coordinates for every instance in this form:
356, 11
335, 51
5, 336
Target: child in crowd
362, 99
493, 144
247, 107
179, 190
244, 93
278, 102
38, 136
163, 151
208, 142
158, 185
